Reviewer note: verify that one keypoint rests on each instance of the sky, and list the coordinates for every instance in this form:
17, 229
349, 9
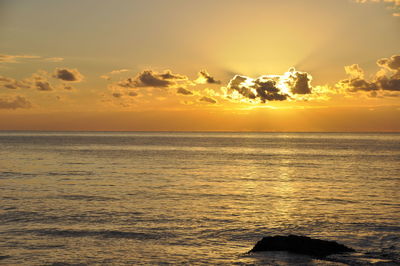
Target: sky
186, 65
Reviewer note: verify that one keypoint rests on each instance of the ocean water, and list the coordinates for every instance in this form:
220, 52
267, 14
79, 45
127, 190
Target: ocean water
105, 198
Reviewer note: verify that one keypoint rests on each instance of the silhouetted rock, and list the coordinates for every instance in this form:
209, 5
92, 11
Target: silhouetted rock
300, 244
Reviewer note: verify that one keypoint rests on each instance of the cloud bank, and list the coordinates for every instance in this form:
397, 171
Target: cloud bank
387, 79
270, 87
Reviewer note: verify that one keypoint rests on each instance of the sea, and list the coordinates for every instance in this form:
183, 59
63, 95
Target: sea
196, 198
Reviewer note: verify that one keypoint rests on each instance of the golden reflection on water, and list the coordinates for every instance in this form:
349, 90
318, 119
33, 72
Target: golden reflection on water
207, 199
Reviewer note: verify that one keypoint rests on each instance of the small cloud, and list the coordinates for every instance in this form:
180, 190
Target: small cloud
68, 75
117, 94
105, 77
150, 78
205, 78
132, 94
43, 86
118, 71
17, 102
207, 100
184, 91
114, 72
354, 71
54, 59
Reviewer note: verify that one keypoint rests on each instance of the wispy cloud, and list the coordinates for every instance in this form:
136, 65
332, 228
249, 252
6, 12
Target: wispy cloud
394, 5
6, 58
54, 59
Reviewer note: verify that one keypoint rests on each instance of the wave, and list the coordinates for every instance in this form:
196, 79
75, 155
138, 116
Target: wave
100, 233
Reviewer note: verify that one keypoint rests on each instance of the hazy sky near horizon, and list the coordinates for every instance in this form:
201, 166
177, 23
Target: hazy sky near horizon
273, 65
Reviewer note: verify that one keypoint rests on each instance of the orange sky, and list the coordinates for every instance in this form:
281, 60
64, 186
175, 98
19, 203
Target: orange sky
233, 65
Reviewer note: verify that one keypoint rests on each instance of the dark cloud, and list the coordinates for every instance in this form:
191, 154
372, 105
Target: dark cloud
17, 102
392, 63
117, 94
150, 78
267, 91
184, 91
301, 83
43, 86
383, 82
207, 100
205, 78
389, 83
238, 84
263, 88
68, 75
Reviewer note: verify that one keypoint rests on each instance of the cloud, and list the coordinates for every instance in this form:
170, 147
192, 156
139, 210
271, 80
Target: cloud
106, 77
43, 86
13, 84
114, 72
301, 83
270, 87
392, 64
68, 75
184, 91
207, 100
150, 78
17, 102
117, 94
205, 78
386, 79
54, 59
132, 94
118, 71
4, 58
395, 4
38, 81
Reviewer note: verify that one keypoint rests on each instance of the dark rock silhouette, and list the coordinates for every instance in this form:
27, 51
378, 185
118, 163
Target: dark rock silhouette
301, 245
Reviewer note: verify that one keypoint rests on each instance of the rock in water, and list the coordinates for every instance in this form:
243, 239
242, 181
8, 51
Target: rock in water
301, 245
